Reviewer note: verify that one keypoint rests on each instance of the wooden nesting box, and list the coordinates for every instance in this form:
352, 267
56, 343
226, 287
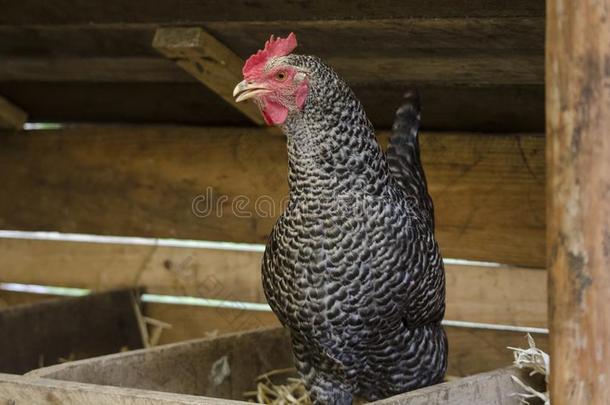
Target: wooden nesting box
219, 369
44, 333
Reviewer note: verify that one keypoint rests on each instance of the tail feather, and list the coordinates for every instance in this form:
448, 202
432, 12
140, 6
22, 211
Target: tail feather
403, 155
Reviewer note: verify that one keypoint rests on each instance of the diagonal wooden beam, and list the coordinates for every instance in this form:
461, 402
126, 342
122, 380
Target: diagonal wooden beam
208, 60
11, 116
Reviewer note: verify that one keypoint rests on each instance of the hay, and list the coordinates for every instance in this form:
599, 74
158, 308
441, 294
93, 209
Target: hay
290, 390
538, 362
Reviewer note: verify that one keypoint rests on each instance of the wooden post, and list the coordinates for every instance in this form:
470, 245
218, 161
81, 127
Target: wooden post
209, 61
11, 116
578, 199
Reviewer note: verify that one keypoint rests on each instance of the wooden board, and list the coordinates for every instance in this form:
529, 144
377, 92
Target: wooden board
17, 389
446, 70
183, 367
493, 388
471, 350
487, 191
337, 38
469, 108
43, 333
11, 116
185, 11
502, 295
207, 60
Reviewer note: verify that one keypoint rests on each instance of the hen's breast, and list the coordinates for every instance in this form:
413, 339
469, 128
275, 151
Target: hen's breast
347, 271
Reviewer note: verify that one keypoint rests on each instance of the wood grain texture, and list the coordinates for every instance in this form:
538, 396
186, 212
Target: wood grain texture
18, 389
578, 210
43, 333
207, 60
405, 37
230, 184
493, 388
454, 69
11, 116
507, 108
189, 12
503, 295
471, 350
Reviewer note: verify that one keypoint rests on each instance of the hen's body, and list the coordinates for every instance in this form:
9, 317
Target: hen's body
352, 267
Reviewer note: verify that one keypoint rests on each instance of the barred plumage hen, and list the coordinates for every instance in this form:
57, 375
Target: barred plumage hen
352, 267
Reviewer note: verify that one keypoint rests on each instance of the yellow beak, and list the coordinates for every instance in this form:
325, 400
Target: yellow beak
245, 90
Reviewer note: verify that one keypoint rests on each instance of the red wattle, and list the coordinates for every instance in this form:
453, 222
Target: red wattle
274, 113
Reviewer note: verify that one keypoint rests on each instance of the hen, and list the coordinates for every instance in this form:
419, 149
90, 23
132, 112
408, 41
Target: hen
352, 267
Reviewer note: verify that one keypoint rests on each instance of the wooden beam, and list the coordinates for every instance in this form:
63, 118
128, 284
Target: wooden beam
474, 293
205, 66
471, 350
18, 389
209, 61
65, 12
492, 388
578, 210
379, 38
452, 108
157, 181
11, 116
43, 333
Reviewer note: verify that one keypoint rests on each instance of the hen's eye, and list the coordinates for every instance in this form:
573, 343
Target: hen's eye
280, 76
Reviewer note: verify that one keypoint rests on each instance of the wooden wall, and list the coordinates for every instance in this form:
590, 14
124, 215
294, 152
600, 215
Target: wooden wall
479, 66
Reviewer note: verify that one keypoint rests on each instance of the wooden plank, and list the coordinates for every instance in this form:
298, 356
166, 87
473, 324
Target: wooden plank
493, 388
416, 37
452, 108
11, 116
502, 295
185, 368
43, 333
189, 12
430, 70
120, 103
17, 389
578, 203
487, 190
471, 350
207, 60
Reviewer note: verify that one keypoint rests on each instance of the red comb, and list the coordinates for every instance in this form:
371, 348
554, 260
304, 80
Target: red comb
274, 47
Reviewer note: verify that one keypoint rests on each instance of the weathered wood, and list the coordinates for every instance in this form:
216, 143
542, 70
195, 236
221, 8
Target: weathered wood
415, 37
207, 60
493, 388
11, 116
189, 12
159, 181
578, 155
508, 108
426, 70
43, 333
23, 390
184, 367
471, 350
502, 295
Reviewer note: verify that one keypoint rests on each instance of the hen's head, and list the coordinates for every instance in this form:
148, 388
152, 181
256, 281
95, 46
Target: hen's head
277, 86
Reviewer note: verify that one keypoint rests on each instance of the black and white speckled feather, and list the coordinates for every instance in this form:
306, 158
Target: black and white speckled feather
352, 267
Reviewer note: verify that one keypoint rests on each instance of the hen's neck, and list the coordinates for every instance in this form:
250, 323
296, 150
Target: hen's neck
332, 149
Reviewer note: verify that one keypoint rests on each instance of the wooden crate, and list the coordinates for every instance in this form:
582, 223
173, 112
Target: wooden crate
184, 373
51, 331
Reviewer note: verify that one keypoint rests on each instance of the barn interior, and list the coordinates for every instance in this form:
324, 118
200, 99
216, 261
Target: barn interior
122, 156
